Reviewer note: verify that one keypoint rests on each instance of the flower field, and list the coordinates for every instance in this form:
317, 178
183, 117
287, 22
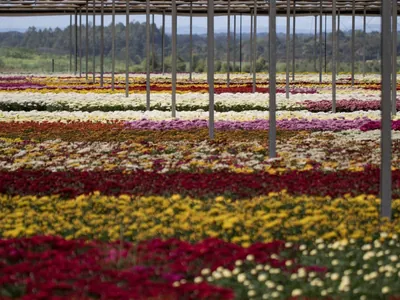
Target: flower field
100, 199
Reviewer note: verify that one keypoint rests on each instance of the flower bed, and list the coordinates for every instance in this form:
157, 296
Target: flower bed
100, 199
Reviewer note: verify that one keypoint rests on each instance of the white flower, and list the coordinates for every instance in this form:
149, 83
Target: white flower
262, 277
385, 290
335, 276
251, 293
270, 284
250, 257
296, 292
198, 279
241, 277
227, 273
205, 271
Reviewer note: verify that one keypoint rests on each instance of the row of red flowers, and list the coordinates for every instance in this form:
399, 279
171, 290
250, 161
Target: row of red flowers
236, 185
52, 267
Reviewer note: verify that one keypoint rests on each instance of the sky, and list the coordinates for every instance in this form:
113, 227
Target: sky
303, 24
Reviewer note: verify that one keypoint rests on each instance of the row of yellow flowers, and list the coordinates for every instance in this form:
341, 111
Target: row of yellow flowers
265, 218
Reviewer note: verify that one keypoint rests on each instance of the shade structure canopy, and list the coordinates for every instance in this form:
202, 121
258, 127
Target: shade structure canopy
199, 7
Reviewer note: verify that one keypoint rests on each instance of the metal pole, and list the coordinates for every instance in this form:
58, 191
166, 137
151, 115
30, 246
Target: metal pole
320, 41
251, 40
76, 42
272, 78
234, 43
334, 56
102, 45
174, 56
163, 43
113, 47
294, 40
288, 47
325, 43
210, 69
80, 42
127, 51
94, 41
153, 54
386, 138
191, 42
364, 37
337, 43
70, 44
228, 46
147, 55
394, 56
315, 44
353, 45
87, 41
255, 48
240, 44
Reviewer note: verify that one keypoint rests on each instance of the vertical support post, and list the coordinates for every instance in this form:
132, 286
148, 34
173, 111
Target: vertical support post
386, 138
210, 69
320, 41
364, 37
251, 40
255, 48
102, 45
353, 41
325, 43
272, 78
94, 41
127, 51
315, 43
80, 42
113, 47
337, 43
240, 43
52, 65
87, 41
191, 42
333, 56
294, 41
153, 54
394, 56
234, 43
228, 46
147, 55
76, 42
163, 43
288, 47
174, 56
70, 44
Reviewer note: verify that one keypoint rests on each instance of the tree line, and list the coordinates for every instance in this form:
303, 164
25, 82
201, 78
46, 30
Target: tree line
57, 42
